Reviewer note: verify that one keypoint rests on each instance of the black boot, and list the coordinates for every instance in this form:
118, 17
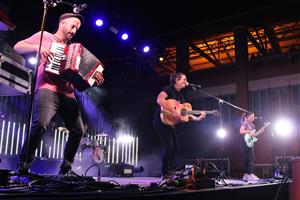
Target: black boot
23, 168
64, 170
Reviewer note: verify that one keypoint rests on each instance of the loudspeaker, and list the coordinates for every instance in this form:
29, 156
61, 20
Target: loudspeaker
121, 169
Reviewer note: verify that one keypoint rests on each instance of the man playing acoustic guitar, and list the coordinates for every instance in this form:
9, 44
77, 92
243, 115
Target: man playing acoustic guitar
167, 131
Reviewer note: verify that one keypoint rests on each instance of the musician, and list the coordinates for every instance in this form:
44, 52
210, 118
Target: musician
53, 95
247, 127
167, 133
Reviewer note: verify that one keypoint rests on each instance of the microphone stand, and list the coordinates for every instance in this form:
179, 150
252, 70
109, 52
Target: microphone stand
47, 4
220, 101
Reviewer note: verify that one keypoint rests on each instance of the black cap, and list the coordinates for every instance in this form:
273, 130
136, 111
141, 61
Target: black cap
69, 15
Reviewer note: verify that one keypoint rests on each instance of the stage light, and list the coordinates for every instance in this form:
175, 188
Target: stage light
146, 49
283, 127
161, 59
114, 30
32, 60
221, 133
124, 36
125, 139
99, 22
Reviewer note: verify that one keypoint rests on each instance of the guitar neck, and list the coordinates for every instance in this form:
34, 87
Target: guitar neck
260, 131
185, 109
198, 112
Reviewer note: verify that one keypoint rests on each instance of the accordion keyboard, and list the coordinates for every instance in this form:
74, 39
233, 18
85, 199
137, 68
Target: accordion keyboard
54, 63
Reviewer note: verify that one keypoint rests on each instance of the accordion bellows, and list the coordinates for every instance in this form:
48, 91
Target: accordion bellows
75, 64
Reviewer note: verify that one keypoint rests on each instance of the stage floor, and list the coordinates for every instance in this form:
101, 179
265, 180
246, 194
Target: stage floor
225, 182
53, 187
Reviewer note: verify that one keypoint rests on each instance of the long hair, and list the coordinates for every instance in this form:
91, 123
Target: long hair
175, 76
245, 115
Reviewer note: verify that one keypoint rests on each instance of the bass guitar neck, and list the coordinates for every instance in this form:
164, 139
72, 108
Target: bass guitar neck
251, 138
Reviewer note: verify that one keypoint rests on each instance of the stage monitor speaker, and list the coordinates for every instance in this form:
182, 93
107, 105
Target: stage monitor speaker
121, 170
217, 167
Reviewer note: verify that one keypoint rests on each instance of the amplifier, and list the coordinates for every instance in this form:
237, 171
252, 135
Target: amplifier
16, 79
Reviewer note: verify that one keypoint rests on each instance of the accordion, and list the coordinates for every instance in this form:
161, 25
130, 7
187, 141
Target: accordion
75, 64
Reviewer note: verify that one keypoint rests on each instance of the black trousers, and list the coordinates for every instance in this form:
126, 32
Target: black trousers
46, 105
249, 158
170, 146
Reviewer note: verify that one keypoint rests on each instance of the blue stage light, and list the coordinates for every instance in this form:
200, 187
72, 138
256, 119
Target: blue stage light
124, 36
146, 49
99, 22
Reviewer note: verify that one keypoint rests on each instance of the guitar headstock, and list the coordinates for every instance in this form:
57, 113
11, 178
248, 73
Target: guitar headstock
215, 113
267, 124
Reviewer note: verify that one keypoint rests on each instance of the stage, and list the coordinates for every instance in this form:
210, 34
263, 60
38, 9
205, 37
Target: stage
54, 187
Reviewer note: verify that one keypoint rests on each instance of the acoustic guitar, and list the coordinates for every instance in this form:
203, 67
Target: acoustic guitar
184, 110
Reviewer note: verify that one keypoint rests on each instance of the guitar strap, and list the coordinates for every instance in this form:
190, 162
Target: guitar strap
248, 126
174, 94
251, 126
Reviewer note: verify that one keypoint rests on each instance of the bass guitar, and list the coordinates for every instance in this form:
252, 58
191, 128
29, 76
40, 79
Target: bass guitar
250, 138
184, 110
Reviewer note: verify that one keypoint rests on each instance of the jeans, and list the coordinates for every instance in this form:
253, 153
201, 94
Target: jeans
168, 138
249, 158
46, 105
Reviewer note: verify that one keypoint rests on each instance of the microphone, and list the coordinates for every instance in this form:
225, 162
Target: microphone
193, 85
258, 117
52, 3
79, 8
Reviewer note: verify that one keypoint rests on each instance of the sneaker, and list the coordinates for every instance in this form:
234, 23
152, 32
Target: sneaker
246, 177
253, 177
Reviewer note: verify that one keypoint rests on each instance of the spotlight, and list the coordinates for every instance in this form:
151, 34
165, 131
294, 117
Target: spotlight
146, 49
32, 60
125, 139
124, 36
221, 133
114, 30
99, 22
283, 127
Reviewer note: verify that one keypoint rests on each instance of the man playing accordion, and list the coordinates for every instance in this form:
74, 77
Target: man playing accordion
53, 94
